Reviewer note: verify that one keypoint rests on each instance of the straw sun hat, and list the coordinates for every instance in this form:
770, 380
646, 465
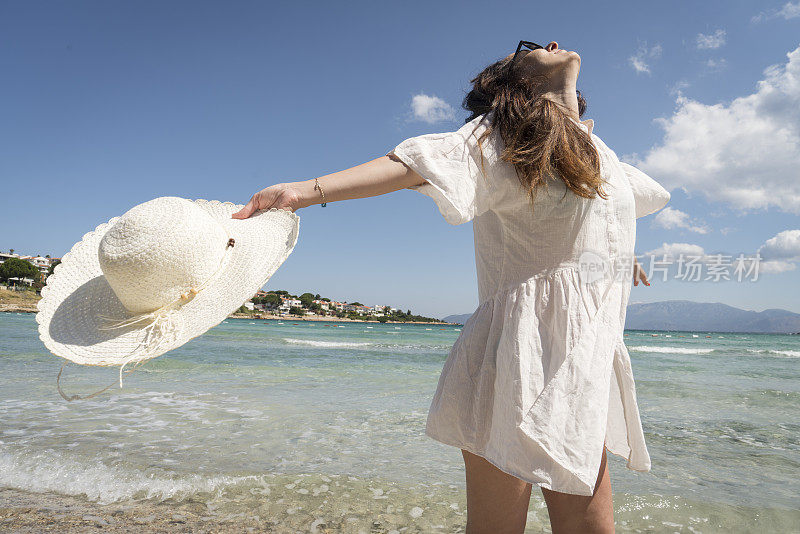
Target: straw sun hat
159, 275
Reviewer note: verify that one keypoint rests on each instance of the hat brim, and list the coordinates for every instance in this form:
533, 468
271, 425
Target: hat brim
77, 296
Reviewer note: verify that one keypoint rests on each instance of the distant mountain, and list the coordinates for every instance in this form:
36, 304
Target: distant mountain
708, 316
460, 319
698, 317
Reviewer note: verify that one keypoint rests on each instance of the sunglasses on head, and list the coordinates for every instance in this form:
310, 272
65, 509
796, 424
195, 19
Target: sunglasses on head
527, 44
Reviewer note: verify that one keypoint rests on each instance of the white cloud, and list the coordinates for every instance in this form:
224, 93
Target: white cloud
744, 153
678, 87
675, 250
710, 41
675, 253
670, 218
431, 109
788, 11
785, 246
640, 61
776, 266
716, 65
782, 252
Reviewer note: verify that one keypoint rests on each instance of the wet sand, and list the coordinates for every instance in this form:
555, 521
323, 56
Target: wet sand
22, 512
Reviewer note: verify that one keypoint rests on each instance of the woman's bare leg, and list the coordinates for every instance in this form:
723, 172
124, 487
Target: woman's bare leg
579, 514
497, 503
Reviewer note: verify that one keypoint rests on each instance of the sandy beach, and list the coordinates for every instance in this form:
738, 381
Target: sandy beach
18, 301
32, 513
24, 513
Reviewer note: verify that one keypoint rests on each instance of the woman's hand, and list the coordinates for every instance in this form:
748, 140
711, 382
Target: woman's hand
287, 196
638, 274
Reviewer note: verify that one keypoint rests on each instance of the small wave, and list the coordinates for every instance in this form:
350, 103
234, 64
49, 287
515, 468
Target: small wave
53, 472
669, 350
329, 344
777, 353
786, 353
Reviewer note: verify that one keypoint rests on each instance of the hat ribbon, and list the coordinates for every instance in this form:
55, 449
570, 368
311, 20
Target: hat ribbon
161, 324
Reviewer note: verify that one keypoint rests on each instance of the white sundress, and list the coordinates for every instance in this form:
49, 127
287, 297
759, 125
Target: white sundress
539, 378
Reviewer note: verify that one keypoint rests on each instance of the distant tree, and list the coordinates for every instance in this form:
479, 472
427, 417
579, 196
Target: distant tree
383, 319
296, 310
271, 299
52, 267
17, 268
306, 299
47, 256
356, 304
326, 299
317, 297
281, 292
11, 251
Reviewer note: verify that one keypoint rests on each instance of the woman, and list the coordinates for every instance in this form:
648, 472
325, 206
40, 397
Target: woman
539, 383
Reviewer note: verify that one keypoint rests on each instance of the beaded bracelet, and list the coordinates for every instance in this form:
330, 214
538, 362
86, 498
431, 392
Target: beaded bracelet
321, 192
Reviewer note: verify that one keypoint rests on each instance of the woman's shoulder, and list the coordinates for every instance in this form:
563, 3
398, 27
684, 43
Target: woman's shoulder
488, 146
602, 146
476, 127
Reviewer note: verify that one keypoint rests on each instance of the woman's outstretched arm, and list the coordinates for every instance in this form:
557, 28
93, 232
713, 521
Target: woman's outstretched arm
377, 177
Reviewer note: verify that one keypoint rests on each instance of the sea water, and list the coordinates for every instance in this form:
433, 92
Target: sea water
322, 423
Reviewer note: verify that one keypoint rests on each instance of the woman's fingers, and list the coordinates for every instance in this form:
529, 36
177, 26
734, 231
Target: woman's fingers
262, 200
248, 210
639, 274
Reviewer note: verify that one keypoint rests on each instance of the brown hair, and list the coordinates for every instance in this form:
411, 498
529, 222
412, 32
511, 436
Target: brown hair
540, 139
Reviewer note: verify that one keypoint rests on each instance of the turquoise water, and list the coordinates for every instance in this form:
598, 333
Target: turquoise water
304, 421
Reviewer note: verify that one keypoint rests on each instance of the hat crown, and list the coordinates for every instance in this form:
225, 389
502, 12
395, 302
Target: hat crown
160, 249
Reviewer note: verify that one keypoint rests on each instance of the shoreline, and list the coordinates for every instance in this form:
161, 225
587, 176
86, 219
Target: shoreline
16, 308
319, 318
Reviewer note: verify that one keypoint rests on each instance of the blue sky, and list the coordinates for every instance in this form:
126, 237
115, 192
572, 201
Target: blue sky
107, 105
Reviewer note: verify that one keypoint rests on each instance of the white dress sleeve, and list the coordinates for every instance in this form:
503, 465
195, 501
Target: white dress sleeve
649, 195
447, 161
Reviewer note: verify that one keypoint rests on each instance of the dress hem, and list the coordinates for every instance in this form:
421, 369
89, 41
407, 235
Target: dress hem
514, 473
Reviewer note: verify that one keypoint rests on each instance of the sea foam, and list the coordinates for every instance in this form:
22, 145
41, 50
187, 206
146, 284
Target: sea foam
329, 344
40, 472
669, 350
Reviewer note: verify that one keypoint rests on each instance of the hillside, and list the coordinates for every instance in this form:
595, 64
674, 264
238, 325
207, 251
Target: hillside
699, 317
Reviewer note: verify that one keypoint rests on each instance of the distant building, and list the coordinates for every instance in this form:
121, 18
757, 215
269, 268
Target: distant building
42, 263
287, 304
323, 305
